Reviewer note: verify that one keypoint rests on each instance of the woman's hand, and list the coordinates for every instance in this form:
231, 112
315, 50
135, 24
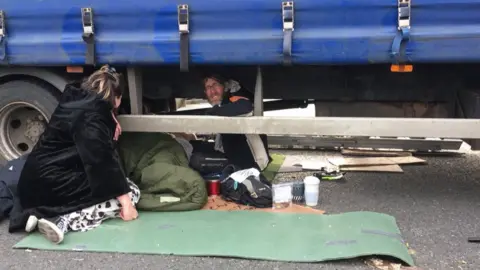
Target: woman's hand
128, 213
118, 128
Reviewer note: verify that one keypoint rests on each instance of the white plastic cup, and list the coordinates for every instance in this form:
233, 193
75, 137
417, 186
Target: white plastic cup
312, 186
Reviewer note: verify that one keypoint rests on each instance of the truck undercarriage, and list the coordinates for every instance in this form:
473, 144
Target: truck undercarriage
433, 101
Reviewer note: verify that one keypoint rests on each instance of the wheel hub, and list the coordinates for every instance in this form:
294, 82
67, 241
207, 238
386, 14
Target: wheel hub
21, 125
35, 128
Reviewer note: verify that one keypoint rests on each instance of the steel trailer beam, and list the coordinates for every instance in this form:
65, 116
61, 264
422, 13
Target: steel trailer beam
318, 126
300, 143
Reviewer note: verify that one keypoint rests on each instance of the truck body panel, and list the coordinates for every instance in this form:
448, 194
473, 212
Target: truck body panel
239, 32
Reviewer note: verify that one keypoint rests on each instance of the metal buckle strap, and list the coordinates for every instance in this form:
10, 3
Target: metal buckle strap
88, 35
403, 33
3, 38
183, 28
288, 27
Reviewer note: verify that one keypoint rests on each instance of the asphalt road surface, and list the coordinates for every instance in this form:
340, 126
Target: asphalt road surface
437, 207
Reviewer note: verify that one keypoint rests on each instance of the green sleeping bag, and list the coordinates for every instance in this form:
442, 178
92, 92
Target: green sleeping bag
157, 163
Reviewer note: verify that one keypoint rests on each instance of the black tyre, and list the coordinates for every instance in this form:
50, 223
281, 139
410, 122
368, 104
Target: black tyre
25, 108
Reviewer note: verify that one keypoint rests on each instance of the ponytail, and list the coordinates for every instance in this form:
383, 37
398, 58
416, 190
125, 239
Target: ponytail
105, 82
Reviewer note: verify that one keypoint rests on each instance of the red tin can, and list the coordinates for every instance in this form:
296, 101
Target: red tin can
213, 187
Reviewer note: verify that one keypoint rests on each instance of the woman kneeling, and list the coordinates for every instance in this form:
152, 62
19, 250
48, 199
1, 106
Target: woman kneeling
73, 180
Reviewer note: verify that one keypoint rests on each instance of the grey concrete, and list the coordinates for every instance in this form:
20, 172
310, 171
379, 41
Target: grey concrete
437, 207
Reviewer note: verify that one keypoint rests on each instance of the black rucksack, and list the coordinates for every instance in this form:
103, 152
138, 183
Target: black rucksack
207, 163
253, 190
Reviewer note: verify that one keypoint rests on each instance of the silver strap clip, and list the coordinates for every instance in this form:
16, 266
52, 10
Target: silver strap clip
404, 9
3, 30
3, 38
87, 21
287, 15
183, 20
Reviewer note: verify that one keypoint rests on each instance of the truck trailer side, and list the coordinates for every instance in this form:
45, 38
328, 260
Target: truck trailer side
372, 68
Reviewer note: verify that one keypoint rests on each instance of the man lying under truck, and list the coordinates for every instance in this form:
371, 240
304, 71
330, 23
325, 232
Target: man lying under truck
229, 98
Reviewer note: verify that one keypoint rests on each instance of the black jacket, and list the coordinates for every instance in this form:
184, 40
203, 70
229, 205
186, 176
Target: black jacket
236, 146
74, 165
9, 175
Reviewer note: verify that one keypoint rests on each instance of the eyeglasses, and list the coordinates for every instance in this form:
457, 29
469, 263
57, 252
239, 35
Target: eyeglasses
212, 86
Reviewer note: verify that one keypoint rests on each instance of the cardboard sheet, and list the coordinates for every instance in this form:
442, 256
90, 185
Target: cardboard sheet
375, 168
374, 153
217, 203
368, 161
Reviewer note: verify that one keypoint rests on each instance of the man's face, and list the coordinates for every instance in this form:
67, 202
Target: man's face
213, 91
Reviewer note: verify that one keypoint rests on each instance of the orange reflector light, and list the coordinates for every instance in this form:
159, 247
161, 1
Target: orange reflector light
74, 69
401, 68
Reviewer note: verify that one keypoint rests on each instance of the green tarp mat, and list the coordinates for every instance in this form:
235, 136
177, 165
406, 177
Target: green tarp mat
241, 234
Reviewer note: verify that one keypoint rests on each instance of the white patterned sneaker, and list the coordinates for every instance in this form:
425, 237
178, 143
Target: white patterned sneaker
52, 229
31, 224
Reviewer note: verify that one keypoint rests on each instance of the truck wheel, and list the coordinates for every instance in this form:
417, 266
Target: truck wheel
25, 108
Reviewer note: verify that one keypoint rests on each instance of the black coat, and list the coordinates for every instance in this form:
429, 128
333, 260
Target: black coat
74, 165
